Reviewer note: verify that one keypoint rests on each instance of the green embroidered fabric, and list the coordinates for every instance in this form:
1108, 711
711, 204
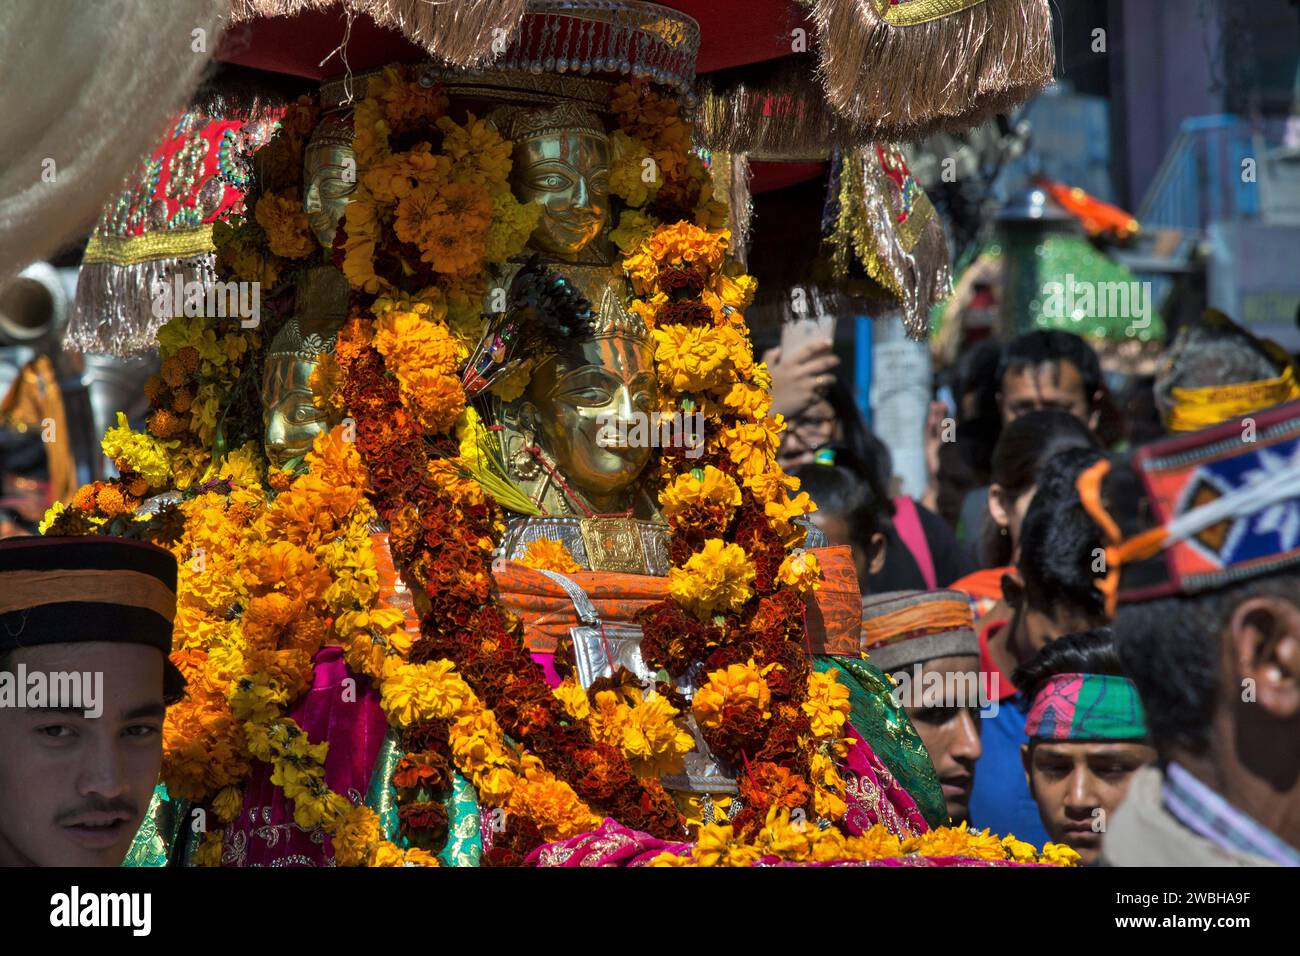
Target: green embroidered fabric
160, 833
464, 845
884, 724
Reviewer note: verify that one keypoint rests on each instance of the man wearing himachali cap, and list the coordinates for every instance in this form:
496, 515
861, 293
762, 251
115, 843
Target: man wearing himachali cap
1087, 737
926, 641
1205, 562
85, 633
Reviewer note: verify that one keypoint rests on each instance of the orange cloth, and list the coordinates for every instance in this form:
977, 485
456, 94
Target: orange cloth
834, 612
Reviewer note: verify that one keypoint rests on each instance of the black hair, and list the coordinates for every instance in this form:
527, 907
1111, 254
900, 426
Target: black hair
1024, 445
847, 488
1170, 649
856, 435
1059, 541
1084, 652
1052, 347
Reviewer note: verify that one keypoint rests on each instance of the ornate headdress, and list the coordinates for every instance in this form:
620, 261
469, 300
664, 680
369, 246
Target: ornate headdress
333, 129
305, 343
517, 123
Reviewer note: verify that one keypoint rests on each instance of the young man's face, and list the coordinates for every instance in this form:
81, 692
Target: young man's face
73, 789
1078, 784
1056, 385
951, 733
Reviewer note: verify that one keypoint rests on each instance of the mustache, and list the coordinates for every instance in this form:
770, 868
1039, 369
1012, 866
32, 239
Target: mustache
98, 805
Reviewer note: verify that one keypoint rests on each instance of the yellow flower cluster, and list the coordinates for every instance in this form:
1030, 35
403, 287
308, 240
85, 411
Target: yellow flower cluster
792, 837
139, 453
681, 244
800, 571
738, 686
633, 172
695, 359
690, 497
284, 220
549, 555
716, 578
649, 730
420, 350
412, 693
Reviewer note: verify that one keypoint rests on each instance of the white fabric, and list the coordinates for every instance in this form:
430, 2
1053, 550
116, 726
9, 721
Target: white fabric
89, 84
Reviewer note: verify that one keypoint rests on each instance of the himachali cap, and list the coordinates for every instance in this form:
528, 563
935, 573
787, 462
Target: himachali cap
1086, 707
901, 628
1200, 511
94, 588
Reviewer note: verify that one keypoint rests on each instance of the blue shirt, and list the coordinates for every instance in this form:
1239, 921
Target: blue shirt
1000, 798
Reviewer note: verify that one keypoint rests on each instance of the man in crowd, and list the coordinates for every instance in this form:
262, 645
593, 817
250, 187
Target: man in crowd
1087, 737
926, 641
1208, 568
1050, 369
85, 633
1051, 593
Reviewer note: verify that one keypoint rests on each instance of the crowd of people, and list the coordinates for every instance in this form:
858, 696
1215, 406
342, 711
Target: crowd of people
1099, 643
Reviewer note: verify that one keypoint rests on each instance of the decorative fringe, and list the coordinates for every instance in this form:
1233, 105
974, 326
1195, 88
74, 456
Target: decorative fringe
731, 185
931, 64
113, 310
904, 255
461, 32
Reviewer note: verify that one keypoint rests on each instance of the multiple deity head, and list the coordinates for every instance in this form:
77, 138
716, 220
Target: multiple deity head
578, 404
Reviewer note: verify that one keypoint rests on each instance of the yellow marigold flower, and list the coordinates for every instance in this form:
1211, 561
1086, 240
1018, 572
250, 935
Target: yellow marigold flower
209, 851
571, 695
513, 223
414, 856
877, 843
412, 693
712, 845
137, 452
226, 805
752, 446
801, 571
1019, 850
715, 578
696, 358
629, 174
385, 854
739, 685
1058, 854
746, 401
355, 837
714, 489
480, 154
654, 739
285, 221
549, 555
634, 229
827, 704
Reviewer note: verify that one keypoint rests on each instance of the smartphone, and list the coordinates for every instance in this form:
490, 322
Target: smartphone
809, 322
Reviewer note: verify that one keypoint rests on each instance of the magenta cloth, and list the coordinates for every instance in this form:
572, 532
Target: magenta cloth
874, 796
546, 661
264, 834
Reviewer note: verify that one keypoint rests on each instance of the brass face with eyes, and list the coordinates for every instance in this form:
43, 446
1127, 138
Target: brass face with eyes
582, 405
566, 172
329, 179
291, 421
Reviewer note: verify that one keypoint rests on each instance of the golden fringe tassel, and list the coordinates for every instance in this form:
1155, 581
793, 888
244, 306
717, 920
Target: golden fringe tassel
906, 264
460, 32
883, 64
731, 185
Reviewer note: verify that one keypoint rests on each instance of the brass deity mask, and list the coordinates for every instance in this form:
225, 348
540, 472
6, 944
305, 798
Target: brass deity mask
561, 162
329, 176
584, 403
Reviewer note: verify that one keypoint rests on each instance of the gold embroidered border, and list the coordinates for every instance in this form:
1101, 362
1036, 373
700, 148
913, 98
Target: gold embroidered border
912, 12
133, 250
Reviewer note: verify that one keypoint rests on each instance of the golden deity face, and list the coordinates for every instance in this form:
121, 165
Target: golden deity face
567, 173
329, 179
290, 419
584, 406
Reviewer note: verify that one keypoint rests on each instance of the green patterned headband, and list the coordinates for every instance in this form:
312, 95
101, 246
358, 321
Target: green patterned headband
1086, 707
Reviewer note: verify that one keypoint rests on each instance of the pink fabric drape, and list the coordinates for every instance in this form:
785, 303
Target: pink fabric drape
350, 718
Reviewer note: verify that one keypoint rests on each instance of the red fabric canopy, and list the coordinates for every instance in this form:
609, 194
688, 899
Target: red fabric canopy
732, 33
